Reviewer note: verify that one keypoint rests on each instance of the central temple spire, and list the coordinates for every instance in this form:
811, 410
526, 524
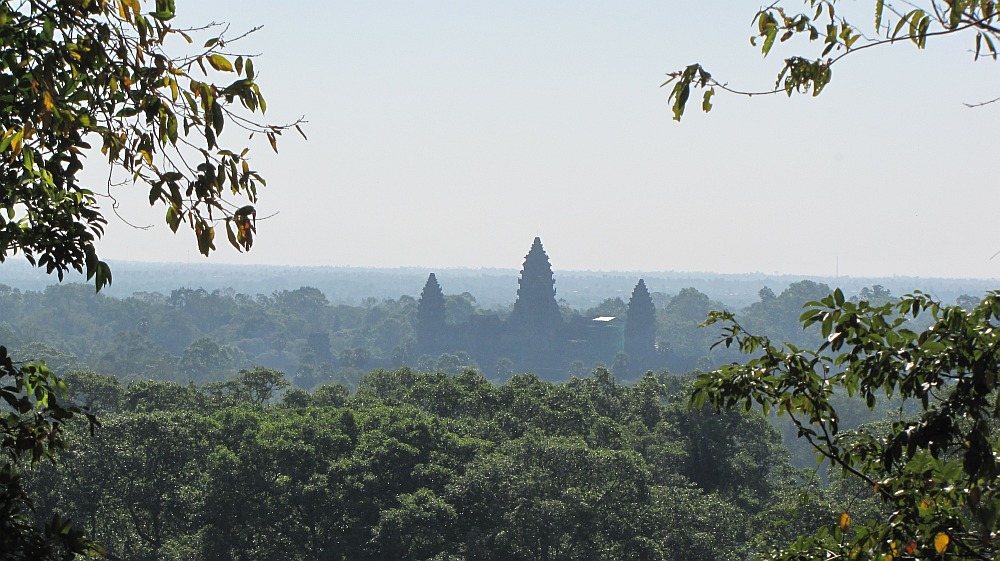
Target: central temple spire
536, 309
430, 326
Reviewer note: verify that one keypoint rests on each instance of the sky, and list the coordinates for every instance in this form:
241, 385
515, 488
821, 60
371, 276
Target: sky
450, 134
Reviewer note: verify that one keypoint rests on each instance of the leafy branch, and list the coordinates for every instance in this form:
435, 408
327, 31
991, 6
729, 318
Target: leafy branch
937, 472
839, 38
86, 70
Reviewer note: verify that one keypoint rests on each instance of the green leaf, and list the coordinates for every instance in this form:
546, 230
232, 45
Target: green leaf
899, 26
173, 218
206, 240
172, 128
683, 91
48, 29
231, 234
769, 36
218, 119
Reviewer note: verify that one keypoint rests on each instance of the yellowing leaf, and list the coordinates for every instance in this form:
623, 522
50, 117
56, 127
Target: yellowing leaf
15, 143
47, 101
941, 542
845, 520
220, 63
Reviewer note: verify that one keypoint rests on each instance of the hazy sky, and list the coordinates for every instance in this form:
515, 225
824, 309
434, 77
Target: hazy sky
449, 134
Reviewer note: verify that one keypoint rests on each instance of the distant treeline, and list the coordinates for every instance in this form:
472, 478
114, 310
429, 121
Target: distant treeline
193, 335
492, 287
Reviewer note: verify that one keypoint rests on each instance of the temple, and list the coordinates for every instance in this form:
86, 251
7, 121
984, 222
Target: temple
535, 337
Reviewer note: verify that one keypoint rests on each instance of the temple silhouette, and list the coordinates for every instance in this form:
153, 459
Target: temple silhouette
535, 337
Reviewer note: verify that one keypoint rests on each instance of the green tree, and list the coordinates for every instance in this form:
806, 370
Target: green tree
156, 395
422, 526
778, 316
32, 425
936, 474
139, 487
613, 307
356, 358
834, 38
555, 498
133, 354
621, 364
275, 491
330, 395
456, 363
679, 323
206, 360
96, 392
875, 295
256, 386
504, 369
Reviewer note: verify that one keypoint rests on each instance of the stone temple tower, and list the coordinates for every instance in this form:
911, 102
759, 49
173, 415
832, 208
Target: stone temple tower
640, 327
536, 312
430, 316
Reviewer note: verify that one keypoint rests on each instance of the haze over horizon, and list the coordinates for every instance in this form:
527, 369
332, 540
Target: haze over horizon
450, 134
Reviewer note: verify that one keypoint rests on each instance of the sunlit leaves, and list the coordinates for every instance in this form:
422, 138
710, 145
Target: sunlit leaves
706, 102
837, 37
220, 63
802, 75
108, 72
941, 542
692, 75
918, 23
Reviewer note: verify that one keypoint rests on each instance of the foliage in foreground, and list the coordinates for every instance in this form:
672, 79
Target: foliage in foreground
935, 475
823, 28
32, 422
76, 71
